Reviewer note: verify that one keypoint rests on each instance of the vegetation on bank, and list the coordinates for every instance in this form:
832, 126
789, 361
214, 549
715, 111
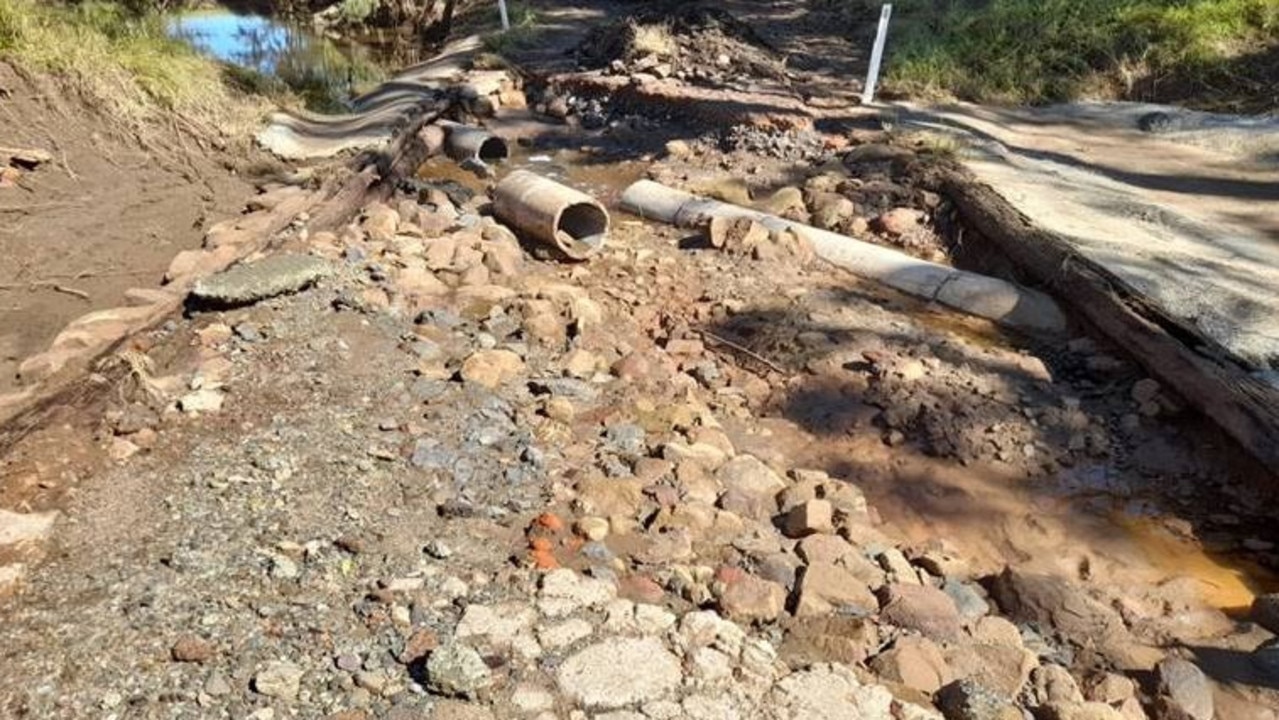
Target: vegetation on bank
119, 59
1221, 54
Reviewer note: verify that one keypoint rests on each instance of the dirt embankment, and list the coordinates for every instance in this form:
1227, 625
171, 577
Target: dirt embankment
107, 212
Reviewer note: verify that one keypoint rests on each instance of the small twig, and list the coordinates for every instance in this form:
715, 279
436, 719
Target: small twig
742, 349
71, 291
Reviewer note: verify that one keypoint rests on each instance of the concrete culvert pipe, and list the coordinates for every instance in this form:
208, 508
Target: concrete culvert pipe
467, 142
571, 222
998, 300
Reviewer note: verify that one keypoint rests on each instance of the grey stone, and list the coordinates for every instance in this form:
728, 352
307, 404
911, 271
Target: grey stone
970, 603
457, 670
1184, 686
966, 700
619, 672
1265, 612
248, 283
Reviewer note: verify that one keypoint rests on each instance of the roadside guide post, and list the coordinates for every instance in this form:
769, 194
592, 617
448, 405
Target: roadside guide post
506, 19
877, 55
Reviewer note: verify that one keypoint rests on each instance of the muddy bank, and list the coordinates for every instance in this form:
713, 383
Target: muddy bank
106, 214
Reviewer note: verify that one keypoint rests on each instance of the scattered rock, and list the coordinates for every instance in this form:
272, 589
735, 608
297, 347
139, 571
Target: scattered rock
192, 649
457, 670
809, 518
966, 700
915, 662
21, 528
749, 598
921, 608
619, 672
1184, 689
278, 679
274, 275
824, 588
492, 368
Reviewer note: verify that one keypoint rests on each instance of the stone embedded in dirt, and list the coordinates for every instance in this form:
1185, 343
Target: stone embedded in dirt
1053, 684
1001, 668
968, 700
1184, 689
809, 518
1061, 710
897, 567
915, 662
278, 679
192, 649
995, 630
833, 692
247, 283
492, 368
898, 221
747, 598
506, 626
1265, 612
1056, 603
704, 455
26, 158
457, 670
748, 475
832, 638
967, 599
380, 222
824, 588
831, 210
564, 592
22, 528
921, 608
618, 672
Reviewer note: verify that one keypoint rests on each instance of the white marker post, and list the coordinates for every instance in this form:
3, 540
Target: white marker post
506, 19
877, 55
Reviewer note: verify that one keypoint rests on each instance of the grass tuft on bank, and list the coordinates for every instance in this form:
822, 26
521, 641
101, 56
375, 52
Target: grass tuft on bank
122, 61
1217, 54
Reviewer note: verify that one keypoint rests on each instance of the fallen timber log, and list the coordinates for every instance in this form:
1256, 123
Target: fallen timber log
998, 300
1222, 388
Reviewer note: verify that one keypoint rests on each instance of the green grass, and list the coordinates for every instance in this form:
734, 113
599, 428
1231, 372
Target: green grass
120, 60
1037, 51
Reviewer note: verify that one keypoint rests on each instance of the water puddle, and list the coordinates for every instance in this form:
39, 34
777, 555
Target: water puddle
271, 54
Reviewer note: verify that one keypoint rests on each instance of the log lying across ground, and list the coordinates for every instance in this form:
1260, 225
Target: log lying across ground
1222, 388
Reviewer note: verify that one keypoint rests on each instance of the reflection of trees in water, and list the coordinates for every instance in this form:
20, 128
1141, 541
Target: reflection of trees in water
323, 74
318, 70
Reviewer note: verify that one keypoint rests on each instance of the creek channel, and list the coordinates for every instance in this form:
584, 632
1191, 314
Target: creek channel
1082, 512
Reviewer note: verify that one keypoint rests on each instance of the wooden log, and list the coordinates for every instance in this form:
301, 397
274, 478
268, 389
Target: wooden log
1218, 385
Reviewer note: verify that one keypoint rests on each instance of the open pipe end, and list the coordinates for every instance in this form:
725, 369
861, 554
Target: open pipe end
493, 149
581, 229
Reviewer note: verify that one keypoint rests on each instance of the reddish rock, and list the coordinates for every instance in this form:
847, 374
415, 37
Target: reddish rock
824, 587
748, 598
898, 221
921, 608
915, 662
641, 589
418, 646
192, 649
